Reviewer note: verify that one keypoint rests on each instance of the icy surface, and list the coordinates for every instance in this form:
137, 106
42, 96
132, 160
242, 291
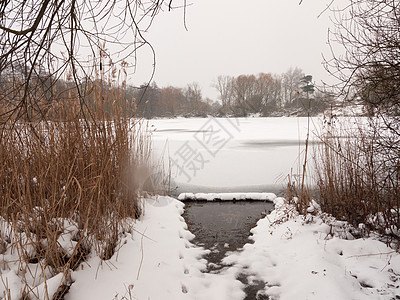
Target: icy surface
235, 153
227, 196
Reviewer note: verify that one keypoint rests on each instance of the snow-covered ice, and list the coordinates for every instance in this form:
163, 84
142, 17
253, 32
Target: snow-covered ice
235, 153
226, 196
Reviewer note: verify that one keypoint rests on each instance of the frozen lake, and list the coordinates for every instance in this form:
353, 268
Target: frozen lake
221, 154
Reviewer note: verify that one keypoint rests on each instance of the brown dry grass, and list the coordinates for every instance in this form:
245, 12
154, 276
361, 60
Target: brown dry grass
297, 187
79, 164
359, 180
356, 175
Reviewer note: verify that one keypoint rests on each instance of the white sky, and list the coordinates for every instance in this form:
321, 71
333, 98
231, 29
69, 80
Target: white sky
233, 37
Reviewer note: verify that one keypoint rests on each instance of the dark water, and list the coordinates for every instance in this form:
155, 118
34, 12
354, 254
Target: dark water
225, 226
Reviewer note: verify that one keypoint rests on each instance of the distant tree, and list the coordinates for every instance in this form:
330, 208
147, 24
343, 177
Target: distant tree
267, 93
224, 86
269, 88
291, 81
307, 85
193, 93
245, 90
147, 100
196, 105
307, 89
171, 101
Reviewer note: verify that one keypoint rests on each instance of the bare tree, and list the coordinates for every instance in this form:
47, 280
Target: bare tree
42, 41
193, 92
224, 85
245, 88
269, 86
291, 85
171, 99
368, 32
267, 93
249, 93
369, 69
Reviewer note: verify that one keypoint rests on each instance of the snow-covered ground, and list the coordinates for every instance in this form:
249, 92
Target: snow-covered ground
297, 257
316, 257
155, 261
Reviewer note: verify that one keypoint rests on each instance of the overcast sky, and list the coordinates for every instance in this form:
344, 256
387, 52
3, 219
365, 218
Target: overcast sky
233, 37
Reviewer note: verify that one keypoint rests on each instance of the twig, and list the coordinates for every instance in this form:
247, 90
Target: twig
326, 8
372, 254
142, 252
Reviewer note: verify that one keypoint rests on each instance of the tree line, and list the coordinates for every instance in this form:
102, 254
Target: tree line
264, 94
152, 101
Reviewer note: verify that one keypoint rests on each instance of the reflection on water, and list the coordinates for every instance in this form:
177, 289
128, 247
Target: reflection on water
223, 226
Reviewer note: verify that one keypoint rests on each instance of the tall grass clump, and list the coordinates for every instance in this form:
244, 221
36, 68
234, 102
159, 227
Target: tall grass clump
298, 190
358, 174
70, 180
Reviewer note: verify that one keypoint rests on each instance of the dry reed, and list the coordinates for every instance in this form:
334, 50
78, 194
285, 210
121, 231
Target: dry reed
74, 173
359, 180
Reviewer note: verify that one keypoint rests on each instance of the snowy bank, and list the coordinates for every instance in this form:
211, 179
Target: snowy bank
155, 261
297, 257
316, 257
226, 196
